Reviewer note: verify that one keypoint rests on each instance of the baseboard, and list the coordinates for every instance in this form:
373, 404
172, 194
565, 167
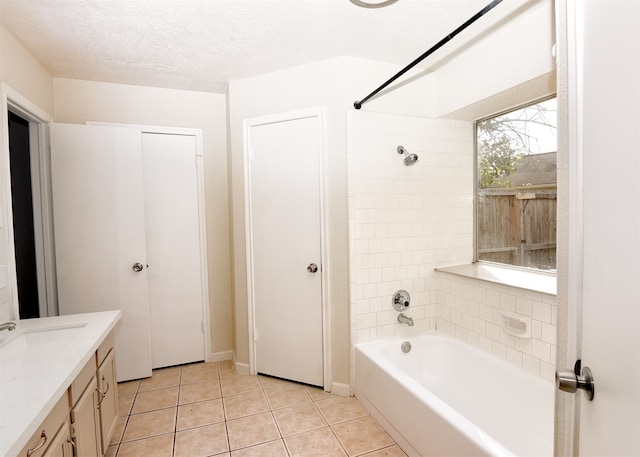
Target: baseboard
341, 389
241, 368
222, 355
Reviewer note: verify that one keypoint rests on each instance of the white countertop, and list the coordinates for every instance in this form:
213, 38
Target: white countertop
38, 362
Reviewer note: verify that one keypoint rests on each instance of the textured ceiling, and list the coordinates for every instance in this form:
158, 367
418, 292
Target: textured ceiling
202, 44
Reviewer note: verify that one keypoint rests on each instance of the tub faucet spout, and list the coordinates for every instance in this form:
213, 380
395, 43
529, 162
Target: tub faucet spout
8, 326
405, 319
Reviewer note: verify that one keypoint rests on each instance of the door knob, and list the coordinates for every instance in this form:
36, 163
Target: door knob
312, 268
569, 381
137, 267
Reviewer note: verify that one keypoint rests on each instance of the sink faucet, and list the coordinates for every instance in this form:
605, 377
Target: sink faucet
8, 326
405, 319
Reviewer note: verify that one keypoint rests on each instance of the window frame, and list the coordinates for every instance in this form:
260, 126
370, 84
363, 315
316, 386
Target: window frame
476, 188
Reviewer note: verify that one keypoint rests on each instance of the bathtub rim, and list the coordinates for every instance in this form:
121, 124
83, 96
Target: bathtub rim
447, 412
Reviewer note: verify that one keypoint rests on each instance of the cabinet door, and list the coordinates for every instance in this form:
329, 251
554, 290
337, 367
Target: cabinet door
61, 443
86, 422
109, 404
41, 440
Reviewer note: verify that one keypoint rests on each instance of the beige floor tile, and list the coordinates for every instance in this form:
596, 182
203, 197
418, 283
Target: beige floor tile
128, 387
339, 409
361, 435
199, 372
201, 441
199, 391
316, 443
158, 446
298, 419
245, 404
287, 395
121, 422
149, 424
164, 377
155, 399
226, 368
199, 414
318, 393
269, 382
237, 384
392, 451
270, 449
251, 430
125, 402
111, 451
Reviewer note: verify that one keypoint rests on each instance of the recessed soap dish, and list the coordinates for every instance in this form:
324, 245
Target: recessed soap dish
516, 324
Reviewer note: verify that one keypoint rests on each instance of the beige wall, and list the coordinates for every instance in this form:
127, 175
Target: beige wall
485, 64
22, 73
81, 101
514, 48
334, 84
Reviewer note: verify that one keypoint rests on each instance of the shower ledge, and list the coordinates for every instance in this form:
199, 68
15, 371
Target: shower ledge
523, 278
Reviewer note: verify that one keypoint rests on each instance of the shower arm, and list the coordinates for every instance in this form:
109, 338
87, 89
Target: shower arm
434, 48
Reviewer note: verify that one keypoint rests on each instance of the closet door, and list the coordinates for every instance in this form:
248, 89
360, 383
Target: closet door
173, 247
285, 248
100, 233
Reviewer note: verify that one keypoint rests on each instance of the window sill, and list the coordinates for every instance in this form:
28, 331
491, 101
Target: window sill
537, 281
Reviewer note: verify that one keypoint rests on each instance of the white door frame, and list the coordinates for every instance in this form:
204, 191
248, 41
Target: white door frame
12, 100
202, 225
570, 86
319, 113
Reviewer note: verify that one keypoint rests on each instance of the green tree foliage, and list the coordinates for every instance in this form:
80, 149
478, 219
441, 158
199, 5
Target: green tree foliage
504, 140
497, 160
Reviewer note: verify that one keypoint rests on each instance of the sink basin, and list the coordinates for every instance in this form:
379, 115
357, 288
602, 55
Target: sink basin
38, 336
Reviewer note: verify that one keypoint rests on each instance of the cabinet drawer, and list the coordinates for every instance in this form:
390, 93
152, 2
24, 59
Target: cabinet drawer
61, 443
56, 418
81, 381
105, 347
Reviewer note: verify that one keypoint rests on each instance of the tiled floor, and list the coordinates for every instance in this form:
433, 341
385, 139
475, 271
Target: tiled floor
207, 409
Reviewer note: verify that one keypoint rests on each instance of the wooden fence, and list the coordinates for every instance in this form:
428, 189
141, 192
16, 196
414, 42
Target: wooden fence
517, 227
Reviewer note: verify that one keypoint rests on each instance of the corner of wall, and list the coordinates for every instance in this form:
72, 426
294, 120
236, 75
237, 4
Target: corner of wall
22, 71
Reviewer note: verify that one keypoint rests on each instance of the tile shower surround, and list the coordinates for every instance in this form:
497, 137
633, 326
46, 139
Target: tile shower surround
406, 221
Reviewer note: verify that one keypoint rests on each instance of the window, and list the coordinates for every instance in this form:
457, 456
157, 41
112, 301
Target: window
517, 187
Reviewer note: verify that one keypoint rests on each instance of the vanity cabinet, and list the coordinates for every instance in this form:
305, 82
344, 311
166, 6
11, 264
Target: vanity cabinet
85, 421
108, 404
95, 412
53, 438
61, 445
86, 415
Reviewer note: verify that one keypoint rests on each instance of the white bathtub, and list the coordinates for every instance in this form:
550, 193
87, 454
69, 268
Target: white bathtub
446, 398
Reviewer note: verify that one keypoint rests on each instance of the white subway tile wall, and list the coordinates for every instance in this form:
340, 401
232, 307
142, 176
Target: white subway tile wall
471, 310
404, 221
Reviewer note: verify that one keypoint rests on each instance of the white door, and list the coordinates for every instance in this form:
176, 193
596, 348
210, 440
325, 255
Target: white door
100, 233
607, 49
173, 248
285, 248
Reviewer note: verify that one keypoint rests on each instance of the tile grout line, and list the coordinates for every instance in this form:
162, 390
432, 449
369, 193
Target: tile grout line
263, 389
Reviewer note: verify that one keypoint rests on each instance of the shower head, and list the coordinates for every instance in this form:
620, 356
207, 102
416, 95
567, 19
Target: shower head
410, 159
